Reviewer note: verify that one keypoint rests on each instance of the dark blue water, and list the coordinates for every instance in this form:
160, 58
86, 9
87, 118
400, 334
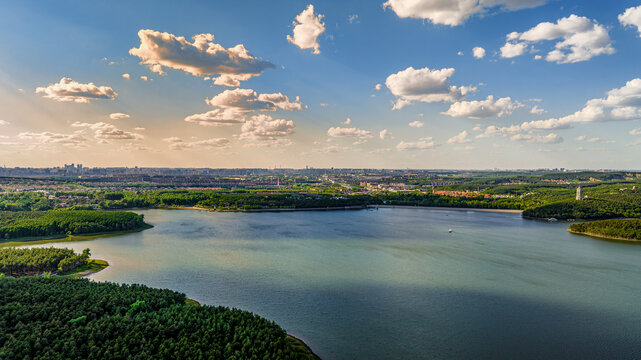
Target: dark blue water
394, 284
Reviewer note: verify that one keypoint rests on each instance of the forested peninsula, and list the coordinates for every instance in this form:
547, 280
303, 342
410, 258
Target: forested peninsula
616, 229
58, 223
62, 318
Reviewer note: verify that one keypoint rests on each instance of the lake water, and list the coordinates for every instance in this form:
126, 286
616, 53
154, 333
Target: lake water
394, 284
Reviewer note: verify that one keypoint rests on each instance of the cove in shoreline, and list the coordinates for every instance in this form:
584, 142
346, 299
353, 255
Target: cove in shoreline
606, 237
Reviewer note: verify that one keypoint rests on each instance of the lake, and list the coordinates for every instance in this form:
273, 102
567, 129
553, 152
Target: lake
394, 283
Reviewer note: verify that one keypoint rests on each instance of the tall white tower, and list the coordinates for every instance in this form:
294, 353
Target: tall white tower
579, 194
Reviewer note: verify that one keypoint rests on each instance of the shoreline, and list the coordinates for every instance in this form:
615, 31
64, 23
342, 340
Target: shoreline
606, 237
37, 240
335, 208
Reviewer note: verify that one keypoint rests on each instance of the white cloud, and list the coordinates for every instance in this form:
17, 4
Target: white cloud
126, 76
483, 109
68, 90
461, 138
416, 124
580, 39
198, 58
105, 131
478, 52
307, 29
600, 141
536, 110
453, 12
502, 131
621, 104
635, 131
21, 91
460, 53
385, 134
248, 100
116, 116
140, 129
421, 144
353, 19
176, 143
347, 121
632, 17
538, 139
144, 78
218, 117
377, 87
424, 85
263, 128
341, 132
580, 138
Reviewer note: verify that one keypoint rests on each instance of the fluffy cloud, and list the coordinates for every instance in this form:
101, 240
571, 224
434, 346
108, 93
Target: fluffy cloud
261, 128
377, 87
421, 144
424, 85
176, 143
632, 17
126, 76
75, 139
218, 117
198, 58
116, 116
248, 100
478, 52
416, 124
68, 90
580, 39
453, 12
341, 132
385, 134
483, 109
347, 121
536, 110
104, 131
461, 138
635, 131
307, 29
538, 139
620, 104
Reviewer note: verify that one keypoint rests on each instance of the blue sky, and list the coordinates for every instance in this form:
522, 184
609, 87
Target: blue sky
362, 44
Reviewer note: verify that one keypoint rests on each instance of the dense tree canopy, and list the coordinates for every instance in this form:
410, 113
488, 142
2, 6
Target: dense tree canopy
614, 228
60, 318
18, 262
65, 222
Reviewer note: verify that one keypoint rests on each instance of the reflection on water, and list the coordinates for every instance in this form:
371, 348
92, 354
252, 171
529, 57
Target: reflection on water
394, 284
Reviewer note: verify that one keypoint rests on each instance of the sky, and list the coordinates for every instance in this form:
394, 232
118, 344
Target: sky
447, 84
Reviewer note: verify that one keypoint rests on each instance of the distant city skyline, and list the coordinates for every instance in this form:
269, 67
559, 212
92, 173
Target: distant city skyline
400, 84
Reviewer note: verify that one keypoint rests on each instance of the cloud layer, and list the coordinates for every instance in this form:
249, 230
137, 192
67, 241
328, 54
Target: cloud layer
483, 109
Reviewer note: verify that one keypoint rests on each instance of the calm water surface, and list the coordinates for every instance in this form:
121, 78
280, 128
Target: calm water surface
394, 284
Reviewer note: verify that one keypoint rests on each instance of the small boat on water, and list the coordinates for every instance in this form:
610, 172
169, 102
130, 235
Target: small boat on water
450, 231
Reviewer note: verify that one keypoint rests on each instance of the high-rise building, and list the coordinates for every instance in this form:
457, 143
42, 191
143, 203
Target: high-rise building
579, 194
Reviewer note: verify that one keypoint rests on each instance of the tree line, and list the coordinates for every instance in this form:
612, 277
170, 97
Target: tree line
617, 228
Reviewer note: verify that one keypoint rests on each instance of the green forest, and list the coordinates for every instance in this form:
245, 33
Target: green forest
66, 222
62, 318
614, 228
21, 262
